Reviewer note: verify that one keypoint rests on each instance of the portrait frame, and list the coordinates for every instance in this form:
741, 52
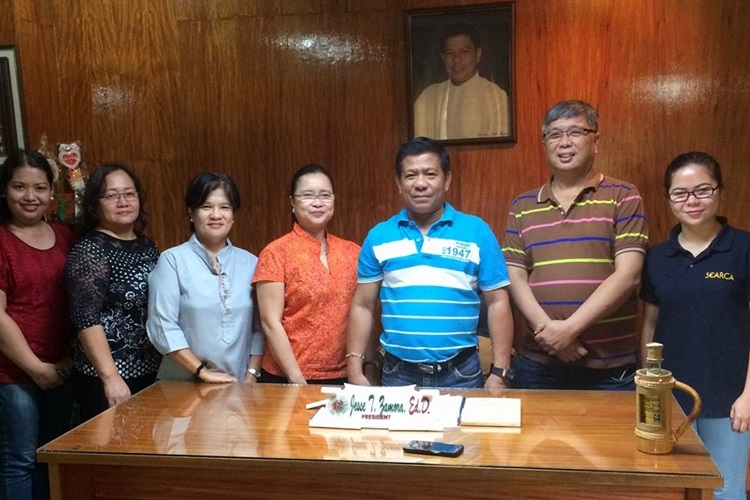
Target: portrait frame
425, 30
12, 135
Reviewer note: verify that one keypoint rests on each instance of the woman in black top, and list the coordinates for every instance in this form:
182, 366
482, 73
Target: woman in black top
106, 278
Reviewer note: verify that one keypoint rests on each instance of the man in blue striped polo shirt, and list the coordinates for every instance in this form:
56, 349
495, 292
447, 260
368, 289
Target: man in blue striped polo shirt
428, 264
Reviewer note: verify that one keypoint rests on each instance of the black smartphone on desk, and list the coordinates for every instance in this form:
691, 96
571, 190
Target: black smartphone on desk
434, 448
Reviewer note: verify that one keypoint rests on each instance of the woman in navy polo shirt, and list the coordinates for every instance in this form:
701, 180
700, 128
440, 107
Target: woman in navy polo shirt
696, 289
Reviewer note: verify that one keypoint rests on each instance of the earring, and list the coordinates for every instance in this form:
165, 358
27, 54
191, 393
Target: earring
292, 210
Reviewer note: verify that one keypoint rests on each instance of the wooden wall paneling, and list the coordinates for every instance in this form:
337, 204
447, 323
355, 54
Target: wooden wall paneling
372, 122
214, 129
259, 88
8, 22
290, 114
106, 73
37, 52
133, 99
722, 119
159, 154
666, 96
306, 96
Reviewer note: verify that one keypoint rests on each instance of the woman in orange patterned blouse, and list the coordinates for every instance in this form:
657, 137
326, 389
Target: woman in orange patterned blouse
305, 282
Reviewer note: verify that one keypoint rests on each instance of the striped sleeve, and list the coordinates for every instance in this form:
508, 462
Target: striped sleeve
631, 227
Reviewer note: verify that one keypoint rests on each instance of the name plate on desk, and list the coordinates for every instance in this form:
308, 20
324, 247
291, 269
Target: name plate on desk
394, 408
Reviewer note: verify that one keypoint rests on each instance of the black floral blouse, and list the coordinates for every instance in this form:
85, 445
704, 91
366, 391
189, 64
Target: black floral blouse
107, 282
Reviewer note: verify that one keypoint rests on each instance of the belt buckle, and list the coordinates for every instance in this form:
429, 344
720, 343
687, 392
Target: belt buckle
428, 368
432, 368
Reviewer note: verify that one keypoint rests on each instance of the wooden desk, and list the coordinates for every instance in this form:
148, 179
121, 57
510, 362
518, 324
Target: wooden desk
183, 440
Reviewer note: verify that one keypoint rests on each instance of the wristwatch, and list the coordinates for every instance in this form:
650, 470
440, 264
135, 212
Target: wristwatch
504, 373
197, 372
255, 373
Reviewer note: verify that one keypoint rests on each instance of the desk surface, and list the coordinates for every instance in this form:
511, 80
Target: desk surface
567, 434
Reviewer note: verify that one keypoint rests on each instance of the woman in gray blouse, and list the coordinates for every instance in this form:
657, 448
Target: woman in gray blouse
201, 306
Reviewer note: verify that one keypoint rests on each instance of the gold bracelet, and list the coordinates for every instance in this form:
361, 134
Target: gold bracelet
355, 355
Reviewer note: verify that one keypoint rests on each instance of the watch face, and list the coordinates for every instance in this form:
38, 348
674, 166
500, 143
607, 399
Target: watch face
509, 374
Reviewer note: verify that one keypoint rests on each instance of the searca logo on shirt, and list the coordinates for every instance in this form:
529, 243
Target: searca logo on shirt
717, 275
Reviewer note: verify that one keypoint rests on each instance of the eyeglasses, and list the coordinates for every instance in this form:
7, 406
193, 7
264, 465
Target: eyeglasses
574, 134
110, 198
324, 197
700, 192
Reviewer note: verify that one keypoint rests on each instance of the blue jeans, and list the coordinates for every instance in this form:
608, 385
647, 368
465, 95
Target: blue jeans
729, 450
464, 375
532, 375
29, 418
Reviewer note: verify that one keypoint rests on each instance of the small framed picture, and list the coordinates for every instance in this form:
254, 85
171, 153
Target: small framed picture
460, 74
11, 113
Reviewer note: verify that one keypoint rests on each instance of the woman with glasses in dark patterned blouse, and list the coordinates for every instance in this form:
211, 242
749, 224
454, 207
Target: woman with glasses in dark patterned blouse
107, 281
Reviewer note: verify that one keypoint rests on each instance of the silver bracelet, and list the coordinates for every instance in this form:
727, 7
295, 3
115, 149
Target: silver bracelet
255, 373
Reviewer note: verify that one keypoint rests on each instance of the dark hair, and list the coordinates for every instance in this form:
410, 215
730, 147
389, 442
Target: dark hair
571, 109
460, 29
18, 159
95, 188
204, 184
697, 157
311, 168
420, 146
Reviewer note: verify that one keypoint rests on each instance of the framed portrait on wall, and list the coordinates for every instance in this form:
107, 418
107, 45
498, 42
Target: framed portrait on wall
460, 73
11, 114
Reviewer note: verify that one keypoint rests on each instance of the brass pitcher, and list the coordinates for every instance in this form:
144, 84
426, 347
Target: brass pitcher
653, 387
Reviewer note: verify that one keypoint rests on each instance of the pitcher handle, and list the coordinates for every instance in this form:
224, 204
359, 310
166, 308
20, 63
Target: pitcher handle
697, 405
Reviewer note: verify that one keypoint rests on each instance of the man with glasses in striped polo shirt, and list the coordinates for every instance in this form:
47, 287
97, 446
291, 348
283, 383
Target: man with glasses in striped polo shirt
575, 249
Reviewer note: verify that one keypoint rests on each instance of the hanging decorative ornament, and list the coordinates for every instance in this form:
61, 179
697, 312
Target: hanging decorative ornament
69, 156
58, 208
